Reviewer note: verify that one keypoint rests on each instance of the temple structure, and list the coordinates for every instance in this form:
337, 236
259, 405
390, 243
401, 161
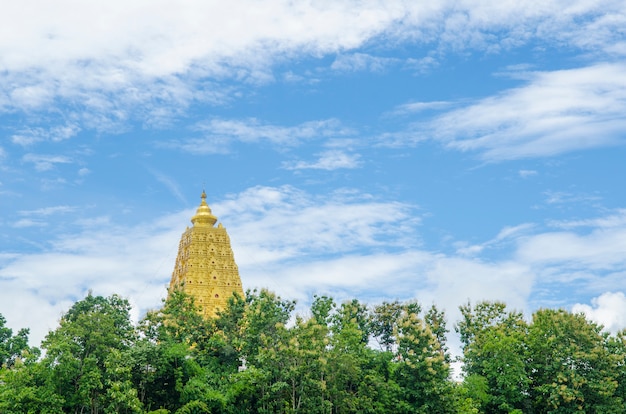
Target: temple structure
205, 267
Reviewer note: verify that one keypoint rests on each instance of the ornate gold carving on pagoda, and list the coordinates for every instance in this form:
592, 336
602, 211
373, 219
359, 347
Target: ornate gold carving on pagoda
205, 267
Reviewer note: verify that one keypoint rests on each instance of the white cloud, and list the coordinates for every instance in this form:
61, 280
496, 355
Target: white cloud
527, 173
599, 249
452, 281
584, 257
29, 136
608, 309
563, 197
164, 52
506, 235
27, 222
618, 219
45, 162
160, 57
328, 224
41, 217
413, 107
220, 134
375, 276
328, 160
555, 112
361, 62
48, 184
47, 211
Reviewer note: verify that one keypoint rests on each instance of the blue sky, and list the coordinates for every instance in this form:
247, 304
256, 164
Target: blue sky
443, 151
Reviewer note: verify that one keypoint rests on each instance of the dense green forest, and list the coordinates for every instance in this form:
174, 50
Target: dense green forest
258, 357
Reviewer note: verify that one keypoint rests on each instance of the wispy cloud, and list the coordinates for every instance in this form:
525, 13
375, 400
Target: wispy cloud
361, 62
413, 107
527, 173
48, 211
554, 113
45, 162
218, 135
564, 197
617, 219
507, 235
326, 224
29, 136
27, 222
169, 183
602, 248
159, 60
328, 160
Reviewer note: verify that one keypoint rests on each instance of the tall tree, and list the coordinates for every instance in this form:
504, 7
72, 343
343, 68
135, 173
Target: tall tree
573, 369
494, 346
422, 371
349, 334
83, 356
262, 384
172, 362
384, 323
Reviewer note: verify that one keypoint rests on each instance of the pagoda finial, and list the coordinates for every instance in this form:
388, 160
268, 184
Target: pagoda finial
204, 216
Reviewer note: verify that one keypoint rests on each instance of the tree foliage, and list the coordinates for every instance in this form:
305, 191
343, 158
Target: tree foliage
14, 348
258, 356
558, 362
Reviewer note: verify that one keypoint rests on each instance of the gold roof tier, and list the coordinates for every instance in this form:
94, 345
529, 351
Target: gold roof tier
204, 216
205, 266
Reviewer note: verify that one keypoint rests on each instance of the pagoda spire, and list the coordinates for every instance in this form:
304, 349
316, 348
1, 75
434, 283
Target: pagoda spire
204, 216
205, 266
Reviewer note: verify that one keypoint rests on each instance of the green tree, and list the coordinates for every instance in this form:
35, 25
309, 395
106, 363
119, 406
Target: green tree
27, 389
83, 356
616, 346
348, 348
262, 385
23, 381
422, 371
559, 363
573, 368
494, 351
13, 348
384, 323
172, 364
306, 359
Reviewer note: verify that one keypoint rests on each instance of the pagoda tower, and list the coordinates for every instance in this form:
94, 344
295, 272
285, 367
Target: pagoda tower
205, 266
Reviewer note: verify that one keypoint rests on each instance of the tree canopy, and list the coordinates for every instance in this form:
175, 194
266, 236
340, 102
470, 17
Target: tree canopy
258, 356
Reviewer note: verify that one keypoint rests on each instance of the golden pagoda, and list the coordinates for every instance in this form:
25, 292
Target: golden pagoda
205, 266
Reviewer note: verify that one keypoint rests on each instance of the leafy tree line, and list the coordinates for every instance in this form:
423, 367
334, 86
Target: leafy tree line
258, 357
